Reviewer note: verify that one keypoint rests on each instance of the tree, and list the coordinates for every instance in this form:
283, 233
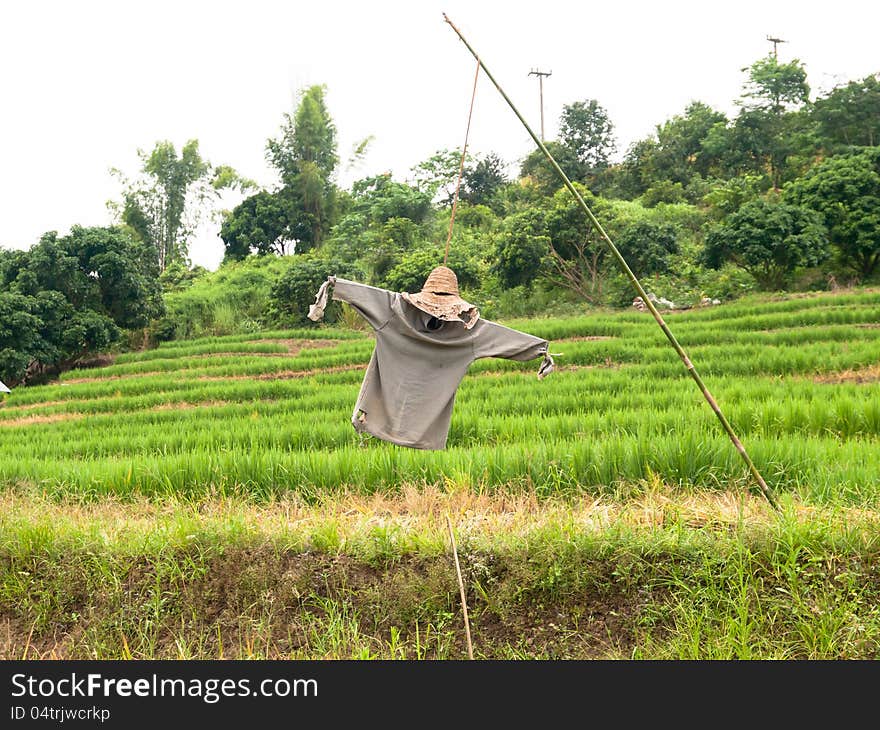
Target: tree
663, 191
521, 249
70, 296
555, 242
766, 125
769, 240
586, 129
578, 256
850, 115
538, 170
385, 218
845, 190
775, 87
258, 225
21, 336
410, 272
637, 173
438, 175
483, 181
728, 196
681, 153
647, 245
165, 204
305, 157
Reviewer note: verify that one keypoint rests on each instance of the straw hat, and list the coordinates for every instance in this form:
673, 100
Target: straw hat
440, 297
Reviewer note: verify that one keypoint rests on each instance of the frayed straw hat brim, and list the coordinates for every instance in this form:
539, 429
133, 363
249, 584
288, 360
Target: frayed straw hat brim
449, 308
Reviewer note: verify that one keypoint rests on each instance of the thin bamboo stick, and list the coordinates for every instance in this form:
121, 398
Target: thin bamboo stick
765, 489
467, 625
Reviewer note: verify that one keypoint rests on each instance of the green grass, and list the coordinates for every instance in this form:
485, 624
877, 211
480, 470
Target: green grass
200, 580
254, 422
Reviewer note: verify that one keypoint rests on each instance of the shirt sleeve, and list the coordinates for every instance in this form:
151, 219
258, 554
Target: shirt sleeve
372, 303
495, 340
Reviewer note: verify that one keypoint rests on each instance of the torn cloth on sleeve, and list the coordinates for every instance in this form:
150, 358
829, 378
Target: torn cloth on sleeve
316, 311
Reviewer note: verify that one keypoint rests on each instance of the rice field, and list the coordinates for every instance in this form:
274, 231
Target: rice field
245, 444
269, 414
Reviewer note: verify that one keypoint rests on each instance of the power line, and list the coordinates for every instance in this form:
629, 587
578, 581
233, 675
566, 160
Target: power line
541, 75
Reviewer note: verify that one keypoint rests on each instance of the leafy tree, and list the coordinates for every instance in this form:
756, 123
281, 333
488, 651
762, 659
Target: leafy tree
768, 239
483, 181
305, 156
845, 190
391, 241
647, 245
73, 295
538, 170
636, 173
586, 129
728, 196
521, 249
385, 218
578, 256
663, 191
677, 153
438, 175
410, 272
165, 204
764, 129
21, 336
775, 87
555, 242
378, 199
258, 225
681, 152
850, 115
178, 277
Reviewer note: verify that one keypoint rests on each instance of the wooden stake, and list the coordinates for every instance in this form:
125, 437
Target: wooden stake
467, 626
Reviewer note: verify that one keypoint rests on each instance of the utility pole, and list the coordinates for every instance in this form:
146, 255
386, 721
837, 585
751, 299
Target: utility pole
775, 41
541, 75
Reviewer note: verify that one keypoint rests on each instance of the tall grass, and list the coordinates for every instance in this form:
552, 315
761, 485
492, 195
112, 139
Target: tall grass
220, 413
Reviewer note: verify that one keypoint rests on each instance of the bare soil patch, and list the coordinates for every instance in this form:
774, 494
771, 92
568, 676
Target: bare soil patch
870, 374
585, 338
293, 348
286, 374
36, 419
31, 406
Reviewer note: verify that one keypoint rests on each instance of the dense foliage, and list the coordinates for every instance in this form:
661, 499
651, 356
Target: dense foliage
782, 195
72, 295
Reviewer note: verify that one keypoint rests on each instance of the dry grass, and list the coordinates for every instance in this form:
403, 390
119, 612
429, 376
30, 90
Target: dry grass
869, 374
37, 419
416, 509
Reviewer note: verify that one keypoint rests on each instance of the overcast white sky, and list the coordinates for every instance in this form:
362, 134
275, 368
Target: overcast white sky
84, 84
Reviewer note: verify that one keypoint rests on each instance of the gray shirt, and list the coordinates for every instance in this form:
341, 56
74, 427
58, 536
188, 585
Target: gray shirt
418, 363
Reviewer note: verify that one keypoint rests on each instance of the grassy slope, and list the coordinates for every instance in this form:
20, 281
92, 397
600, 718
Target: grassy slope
210, 500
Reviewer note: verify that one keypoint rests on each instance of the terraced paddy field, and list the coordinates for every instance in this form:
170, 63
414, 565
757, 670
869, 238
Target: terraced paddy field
210, 498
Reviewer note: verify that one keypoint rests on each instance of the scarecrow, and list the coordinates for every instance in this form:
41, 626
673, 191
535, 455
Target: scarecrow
424, 344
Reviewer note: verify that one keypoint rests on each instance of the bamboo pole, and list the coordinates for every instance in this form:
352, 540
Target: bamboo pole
467, 624
765, 489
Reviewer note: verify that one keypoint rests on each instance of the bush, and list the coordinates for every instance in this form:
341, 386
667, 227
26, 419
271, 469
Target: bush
234, 299
410, 273
294, 291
